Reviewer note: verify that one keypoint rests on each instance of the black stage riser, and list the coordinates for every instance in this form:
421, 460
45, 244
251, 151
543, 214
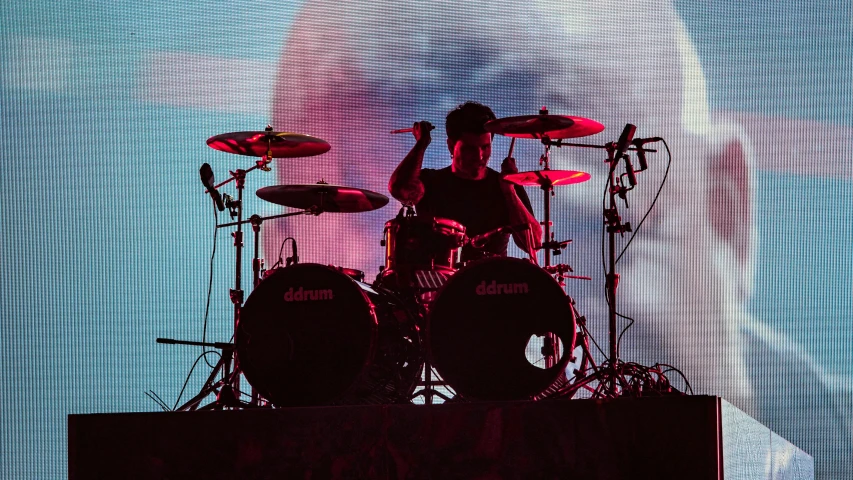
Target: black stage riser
696, 437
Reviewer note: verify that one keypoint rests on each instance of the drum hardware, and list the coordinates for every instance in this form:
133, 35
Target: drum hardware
555, 247
611, 376
226, 397
429, 380
429, 384
560, 271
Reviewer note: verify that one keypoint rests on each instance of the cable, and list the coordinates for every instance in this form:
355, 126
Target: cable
203, 355
680, 373
625, 329
209, 288
660, 188
156, 398
281, 249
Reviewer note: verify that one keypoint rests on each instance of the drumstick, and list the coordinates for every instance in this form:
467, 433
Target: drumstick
511, 147
410, 130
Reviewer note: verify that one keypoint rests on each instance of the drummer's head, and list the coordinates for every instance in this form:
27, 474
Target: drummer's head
469, 144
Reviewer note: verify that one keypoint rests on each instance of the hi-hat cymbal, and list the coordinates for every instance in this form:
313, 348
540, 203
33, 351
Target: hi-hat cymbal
545, 178
537, 126
281, 144
324, 197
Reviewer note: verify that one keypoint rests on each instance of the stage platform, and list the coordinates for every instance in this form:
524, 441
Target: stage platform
684, 437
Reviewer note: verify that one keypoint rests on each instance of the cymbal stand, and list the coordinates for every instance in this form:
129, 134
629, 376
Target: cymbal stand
551, 347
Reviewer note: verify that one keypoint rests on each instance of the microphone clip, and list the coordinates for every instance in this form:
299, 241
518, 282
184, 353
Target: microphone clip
231, 204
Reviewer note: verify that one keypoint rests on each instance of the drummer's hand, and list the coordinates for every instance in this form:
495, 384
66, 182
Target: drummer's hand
508, 166
421, 132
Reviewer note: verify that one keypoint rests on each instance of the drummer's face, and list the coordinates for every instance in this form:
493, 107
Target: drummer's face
470, 154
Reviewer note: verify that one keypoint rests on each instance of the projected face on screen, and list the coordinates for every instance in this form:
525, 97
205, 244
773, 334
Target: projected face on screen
687, 274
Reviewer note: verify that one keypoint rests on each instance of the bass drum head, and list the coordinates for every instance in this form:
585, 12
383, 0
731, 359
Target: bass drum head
305, 335
480, 324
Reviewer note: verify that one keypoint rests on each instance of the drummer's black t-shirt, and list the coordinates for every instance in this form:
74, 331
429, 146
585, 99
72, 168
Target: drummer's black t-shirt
479, 205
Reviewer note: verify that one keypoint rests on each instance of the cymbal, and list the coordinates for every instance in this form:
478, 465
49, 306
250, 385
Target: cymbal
281, 144
538, 126
544, 178
325, 197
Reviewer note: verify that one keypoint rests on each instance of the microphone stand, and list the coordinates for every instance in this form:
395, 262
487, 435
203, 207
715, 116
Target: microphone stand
610, 376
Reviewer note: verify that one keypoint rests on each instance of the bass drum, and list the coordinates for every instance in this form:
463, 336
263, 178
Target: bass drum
311, 335
482, 320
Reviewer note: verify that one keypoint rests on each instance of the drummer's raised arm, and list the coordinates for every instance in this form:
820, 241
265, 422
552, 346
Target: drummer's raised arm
405, 184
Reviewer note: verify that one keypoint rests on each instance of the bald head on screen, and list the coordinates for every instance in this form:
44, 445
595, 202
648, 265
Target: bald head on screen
351, 71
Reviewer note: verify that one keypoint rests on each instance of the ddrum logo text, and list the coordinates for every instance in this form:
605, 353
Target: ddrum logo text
301, 295
496, 288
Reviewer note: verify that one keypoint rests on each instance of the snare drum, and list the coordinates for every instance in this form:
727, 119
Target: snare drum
421, 252
310, 334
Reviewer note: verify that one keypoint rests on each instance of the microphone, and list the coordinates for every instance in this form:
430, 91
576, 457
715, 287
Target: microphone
641, 154
479, 241
294, 259
206, 174
624, 140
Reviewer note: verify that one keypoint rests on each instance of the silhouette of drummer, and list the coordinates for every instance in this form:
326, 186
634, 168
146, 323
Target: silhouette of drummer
467, 190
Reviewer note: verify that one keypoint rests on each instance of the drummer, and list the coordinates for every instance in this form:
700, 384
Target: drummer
467, 190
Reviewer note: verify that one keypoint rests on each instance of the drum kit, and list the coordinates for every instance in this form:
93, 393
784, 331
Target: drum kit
313, 334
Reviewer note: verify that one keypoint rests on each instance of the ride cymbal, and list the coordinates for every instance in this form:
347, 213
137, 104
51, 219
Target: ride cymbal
537, 126
279, 144
324, 197
544, 178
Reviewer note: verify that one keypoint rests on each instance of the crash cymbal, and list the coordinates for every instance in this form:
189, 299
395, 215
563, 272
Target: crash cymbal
325, 197
537, 126
544, 178
281, 144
